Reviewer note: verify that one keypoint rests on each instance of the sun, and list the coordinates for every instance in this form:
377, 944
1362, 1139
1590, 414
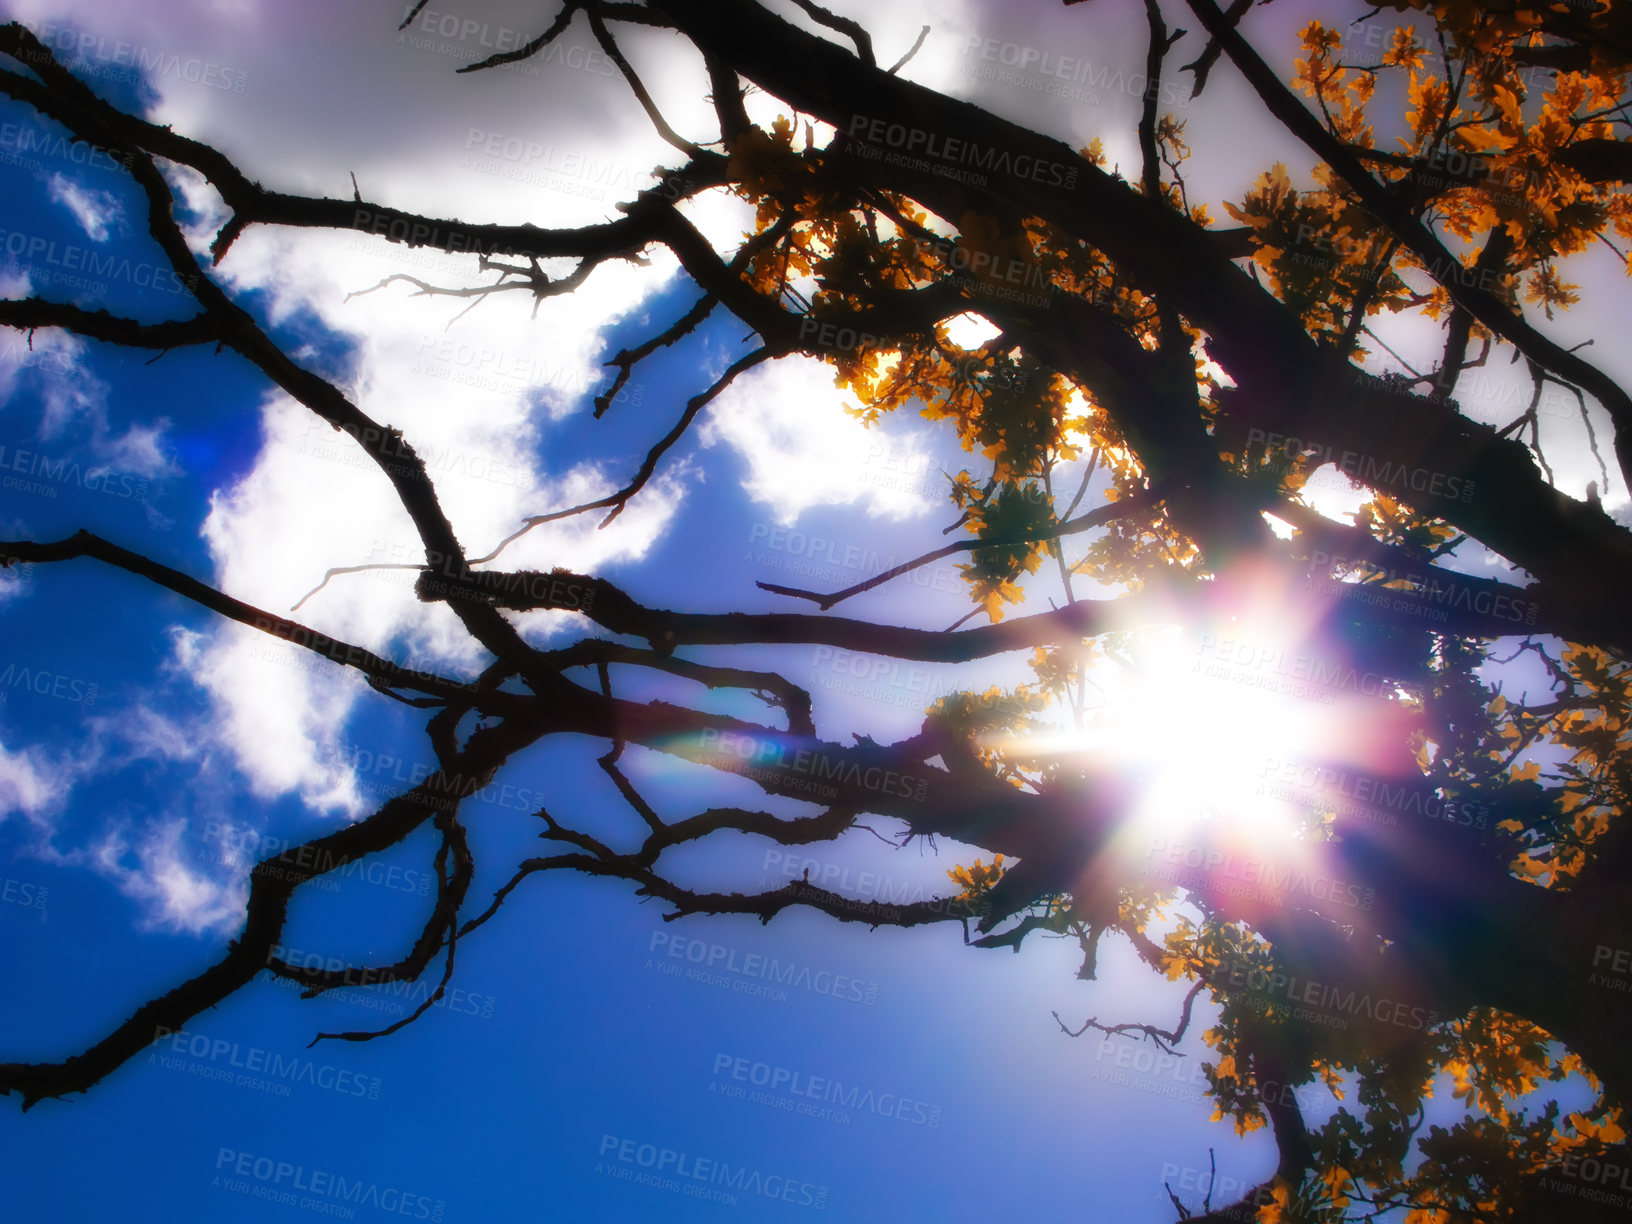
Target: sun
1197, 733
1238, 735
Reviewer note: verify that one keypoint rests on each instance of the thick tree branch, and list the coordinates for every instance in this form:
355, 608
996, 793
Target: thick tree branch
27, 314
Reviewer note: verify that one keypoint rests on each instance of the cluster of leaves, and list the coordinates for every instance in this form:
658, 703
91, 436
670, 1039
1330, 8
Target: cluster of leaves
1320, 251
1485, 1165
1009, 512
976, 880
1137, 546
1584, 736
989, 725
1488, 140
1491, 1061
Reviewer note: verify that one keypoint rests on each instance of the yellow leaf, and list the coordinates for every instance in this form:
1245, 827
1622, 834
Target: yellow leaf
1508, 103
1403, 52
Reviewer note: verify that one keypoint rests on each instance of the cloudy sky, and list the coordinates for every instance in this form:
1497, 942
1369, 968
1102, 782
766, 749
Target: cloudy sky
149, 754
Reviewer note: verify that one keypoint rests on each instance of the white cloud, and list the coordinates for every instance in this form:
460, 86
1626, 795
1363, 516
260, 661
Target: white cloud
74, 401
28, 785
95, 210
71, 395
276, 713
786, 421
173, 894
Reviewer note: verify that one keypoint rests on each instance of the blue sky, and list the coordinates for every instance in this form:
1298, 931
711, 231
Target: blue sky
148, 754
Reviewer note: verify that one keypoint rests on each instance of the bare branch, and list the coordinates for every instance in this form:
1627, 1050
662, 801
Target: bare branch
615, 54
455, 887
382, 671
529, 49
1165, 1039
843, 25
789, 697
1097, 518
627, 358
617, 501
911, 51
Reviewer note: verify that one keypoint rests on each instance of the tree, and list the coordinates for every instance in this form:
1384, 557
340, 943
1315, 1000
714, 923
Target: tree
1441, 895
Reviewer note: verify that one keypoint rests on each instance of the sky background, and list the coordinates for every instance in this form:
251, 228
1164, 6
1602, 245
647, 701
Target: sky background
149, 753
